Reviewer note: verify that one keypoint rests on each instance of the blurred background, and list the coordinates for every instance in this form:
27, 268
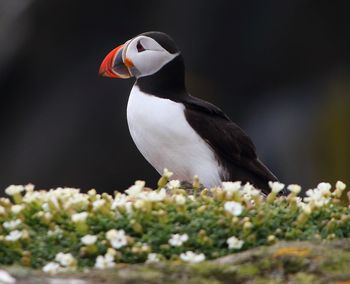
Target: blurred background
280, 69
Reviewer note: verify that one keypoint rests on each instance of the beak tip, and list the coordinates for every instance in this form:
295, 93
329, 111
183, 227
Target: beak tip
114, 58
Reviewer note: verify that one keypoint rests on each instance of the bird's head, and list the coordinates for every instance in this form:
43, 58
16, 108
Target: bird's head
140, 56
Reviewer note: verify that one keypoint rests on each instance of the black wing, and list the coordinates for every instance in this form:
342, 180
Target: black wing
232, 146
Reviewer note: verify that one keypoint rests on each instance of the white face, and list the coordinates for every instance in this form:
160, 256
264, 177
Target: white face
147, 56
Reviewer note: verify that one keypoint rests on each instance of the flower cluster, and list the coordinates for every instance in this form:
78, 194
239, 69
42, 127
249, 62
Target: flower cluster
64, 229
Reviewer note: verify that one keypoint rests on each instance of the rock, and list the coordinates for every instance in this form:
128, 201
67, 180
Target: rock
285, 262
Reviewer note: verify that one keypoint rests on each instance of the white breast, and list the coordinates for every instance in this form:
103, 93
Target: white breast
164, 137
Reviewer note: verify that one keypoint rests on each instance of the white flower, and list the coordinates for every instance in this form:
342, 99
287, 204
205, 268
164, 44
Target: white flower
180, 199
276, 186
78, 201
117, 239
52, 268
46, 207
79, 217
53, 200
14, 236
191, 197
234, 243
56, 231
2, 210
295, 188
233, 207
120, 200
177, 240
191, 257
65, 259
175, 183
152, 258
139, 203
167, 173
324, 188
230, 186
319, 196
248, 191
89, 240
98, 204
271, 238
340, 185
106, 261
10, 225
14, 189
15, 209
29, 187
92, 192
136, 188
154, 196
5, 201
6, 278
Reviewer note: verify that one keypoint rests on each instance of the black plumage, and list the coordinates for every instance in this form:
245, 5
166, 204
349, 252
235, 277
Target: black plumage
233, 149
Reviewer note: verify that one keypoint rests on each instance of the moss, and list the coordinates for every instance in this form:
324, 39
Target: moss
325, 262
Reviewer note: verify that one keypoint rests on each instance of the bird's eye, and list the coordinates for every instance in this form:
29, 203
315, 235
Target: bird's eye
139, 47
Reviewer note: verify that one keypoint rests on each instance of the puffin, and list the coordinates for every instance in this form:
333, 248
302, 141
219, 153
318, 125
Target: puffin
175, 130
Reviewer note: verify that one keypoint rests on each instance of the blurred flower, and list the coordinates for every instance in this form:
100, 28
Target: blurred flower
139, 203
56, 231
154, 196
15, 209
177, 240
14, 236
324, 188
247, 225
96, 205
10, 225
2, 210
136, 188
276, 186
235, 208
14, 189
65, 259
175, 183
152, 258
166, 173
318, 196
271, 238
339, 189
117, 239
340, 185
234, 243
79, 217
29, 187
191, 257
89, 239
106, 261
230, 186
92, 192
46, 207
6, 278
294, 188
249, 192
51, 268
180, 199
120, 200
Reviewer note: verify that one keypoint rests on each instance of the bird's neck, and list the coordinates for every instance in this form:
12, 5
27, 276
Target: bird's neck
168, 82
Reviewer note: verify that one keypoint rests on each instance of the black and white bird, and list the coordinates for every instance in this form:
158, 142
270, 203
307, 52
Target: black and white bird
175, 130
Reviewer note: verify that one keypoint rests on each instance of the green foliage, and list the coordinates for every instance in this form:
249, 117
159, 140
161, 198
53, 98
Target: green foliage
129, 227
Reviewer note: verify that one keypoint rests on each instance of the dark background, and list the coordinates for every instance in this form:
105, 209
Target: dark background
280, 69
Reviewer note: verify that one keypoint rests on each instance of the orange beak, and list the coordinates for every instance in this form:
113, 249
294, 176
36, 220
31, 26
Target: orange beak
113, 65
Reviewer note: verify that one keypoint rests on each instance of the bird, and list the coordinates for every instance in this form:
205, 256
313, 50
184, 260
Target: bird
174, 129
